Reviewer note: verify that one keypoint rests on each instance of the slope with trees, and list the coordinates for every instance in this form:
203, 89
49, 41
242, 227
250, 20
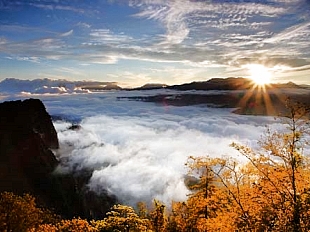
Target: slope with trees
270, 191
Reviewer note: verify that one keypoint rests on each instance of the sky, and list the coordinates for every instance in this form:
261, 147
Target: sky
155, 41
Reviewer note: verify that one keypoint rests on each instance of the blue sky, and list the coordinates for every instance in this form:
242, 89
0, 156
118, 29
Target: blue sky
154, 41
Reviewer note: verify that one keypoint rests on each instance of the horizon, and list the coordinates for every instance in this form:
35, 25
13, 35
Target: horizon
126, 87
168, 42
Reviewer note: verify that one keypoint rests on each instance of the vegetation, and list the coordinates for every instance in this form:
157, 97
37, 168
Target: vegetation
269, 192
20, 213
122, 218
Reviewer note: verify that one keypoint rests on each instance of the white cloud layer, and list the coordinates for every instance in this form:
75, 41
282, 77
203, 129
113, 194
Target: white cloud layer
137, 150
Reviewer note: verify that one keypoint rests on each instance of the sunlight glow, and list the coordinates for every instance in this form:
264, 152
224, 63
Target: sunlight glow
259, 74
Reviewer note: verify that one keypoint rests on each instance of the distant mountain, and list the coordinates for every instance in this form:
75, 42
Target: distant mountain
230, 83
102, 87
247, 100
150, 86
286, 85
41, 86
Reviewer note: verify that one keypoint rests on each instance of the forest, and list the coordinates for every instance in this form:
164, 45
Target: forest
265, 189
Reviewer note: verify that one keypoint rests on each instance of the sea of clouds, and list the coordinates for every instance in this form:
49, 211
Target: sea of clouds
137, 150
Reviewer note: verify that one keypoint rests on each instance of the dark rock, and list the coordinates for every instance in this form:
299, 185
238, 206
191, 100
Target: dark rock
21, 118
27, 163
74, 127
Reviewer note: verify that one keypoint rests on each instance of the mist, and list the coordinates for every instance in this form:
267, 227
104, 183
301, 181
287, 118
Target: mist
137, 151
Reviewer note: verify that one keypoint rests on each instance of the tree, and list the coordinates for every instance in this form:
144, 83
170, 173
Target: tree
76, 225
20, 213
122, 218
157, 217
218, 196
44, 228
268, 193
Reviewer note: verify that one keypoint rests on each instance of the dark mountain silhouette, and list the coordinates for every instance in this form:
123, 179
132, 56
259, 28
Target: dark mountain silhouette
230, 83
150, 86
239, 93
27, 163
43, 86
102, 87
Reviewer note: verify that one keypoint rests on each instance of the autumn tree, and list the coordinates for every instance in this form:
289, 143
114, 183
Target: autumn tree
284, 167
270, 192
20, 213
218, 201
158, 217
75, 224
122, 218
44, 228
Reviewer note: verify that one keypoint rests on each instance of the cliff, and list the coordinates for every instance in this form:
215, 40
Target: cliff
27, 136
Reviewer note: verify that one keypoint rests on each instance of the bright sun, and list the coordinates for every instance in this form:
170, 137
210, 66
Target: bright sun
259, 74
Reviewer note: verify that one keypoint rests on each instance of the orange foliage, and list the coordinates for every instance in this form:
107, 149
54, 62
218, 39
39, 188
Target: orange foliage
20, 213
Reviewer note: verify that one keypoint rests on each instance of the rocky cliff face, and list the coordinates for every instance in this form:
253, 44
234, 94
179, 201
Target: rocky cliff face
27, 136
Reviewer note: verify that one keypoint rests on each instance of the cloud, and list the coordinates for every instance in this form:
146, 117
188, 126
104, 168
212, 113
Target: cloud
183, 33
137, 150
43, 48
46, 5
68, 33
105, 36
225, 27
3, 41
181, 17
170, 15
84, 25
297, 34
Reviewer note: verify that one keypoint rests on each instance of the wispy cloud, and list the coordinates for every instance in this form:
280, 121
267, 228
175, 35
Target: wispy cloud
42, 48
68, 33
196, 34
182, 17
296, 34
105, 36
45, 5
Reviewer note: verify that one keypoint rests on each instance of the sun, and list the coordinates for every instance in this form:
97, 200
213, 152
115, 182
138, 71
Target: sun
259, 74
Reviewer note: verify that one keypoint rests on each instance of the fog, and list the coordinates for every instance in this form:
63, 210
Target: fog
137, 150
132, 149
